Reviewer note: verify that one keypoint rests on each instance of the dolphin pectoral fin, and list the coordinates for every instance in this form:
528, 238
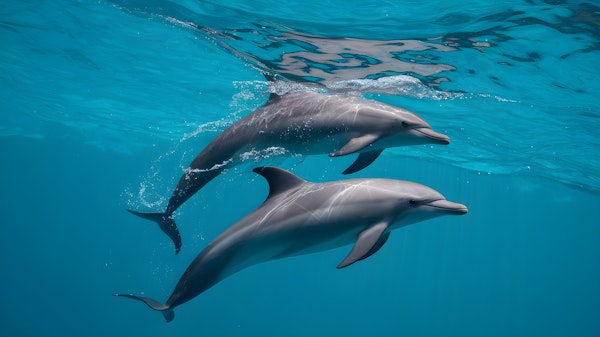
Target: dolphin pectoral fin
364, 159
167, 312
368, 243
355, 145
382, 240
166, 224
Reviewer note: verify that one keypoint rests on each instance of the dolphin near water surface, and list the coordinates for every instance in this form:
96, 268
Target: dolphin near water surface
300, 217
300, 123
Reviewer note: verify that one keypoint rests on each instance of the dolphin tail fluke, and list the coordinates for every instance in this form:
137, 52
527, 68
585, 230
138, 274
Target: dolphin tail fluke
167, 312
166, 224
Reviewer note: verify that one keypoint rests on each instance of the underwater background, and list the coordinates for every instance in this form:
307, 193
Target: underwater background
103, 104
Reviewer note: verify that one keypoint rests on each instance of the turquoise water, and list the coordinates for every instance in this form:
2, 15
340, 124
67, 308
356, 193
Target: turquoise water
103, 105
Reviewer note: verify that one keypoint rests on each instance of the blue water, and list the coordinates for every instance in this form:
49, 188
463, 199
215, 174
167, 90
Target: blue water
104, 103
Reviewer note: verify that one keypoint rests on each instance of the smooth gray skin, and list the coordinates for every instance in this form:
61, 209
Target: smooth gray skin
300, 217
301, 123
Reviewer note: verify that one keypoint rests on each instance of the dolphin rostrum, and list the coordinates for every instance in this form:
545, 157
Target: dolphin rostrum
299, 217
300, 123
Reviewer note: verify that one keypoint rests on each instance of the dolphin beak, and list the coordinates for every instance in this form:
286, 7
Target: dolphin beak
437, 137
448, 207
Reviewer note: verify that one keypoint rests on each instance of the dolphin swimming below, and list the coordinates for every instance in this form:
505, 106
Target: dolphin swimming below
300, 123
300, 217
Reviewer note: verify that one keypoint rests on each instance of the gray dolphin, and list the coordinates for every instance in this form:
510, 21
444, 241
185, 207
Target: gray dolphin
299, 217
300, 123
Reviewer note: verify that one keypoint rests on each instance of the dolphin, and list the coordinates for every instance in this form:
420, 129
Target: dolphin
300, 217
300, 123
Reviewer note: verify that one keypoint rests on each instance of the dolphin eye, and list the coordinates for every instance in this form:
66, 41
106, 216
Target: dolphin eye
413, 202
404, 123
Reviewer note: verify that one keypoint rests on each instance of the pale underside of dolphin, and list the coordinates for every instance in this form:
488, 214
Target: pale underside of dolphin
300, 123
299, 217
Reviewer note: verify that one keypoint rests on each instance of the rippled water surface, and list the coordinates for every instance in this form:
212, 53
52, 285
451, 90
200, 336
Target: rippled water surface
104, 104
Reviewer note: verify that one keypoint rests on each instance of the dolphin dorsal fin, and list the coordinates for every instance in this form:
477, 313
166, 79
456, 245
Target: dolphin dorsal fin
273, 97
279, 180
270, 77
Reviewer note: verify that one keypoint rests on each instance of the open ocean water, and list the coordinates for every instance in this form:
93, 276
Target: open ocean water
104, 103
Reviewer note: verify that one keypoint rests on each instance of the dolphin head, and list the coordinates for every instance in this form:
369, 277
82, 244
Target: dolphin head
415, 202
409, 129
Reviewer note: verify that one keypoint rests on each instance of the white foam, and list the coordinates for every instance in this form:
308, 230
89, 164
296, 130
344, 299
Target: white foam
269, 152
214, 126
143, 196
214, 167
391, 85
